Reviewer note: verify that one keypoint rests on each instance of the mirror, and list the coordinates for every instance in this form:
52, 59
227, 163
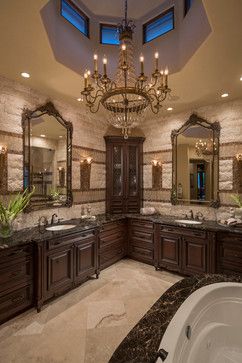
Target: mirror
195, 168
47, 157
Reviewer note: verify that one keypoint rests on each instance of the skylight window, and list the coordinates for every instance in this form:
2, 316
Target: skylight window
75, 16
158, 26
187, 5
109, 34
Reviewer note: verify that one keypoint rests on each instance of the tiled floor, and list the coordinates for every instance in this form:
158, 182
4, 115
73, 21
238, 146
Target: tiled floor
88, 323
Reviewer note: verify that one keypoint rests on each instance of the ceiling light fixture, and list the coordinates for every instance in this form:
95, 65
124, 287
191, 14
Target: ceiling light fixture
240, 78
25, 75
170, 109
42, 135
224, 95
79, 99
128, 96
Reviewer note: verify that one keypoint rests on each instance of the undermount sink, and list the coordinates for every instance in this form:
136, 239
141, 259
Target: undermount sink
60, 227
186, 221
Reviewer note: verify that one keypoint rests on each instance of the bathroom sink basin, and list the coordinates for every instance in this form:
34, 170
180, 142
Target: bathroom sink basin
60, 227
186, 221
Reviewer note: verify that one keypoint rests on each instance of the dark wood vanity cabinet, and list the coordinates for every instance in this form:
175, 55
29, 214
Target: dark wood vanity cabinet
124, 174
64, 262
16, 280
183, 250
112, 243
141, 240
229, 253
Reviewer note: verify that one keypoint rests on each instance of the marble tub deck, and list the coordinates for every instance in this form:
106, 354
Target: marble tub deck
87, 324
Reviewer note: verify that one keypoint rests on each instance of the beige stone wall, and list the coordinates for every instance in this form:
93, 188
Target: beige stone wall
88, 132
158, 146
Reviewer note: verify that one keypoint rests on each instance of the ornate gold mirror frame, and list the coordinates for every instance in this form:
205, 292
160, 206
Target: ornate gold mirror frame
27, 116
215, 131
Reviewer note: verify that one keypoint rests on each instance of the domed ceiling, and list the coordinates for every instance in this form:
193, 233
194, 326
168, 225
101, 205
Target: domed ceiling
203, 52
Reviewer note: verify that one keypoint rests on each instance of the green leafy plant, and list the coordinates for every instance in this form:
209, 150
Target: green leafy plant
15, 206
54, 193
237, 199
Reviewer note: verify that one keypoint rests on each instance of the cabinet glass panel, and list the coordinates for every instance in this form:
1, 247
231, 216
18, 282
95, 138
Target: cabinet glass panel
133, 171
117, 170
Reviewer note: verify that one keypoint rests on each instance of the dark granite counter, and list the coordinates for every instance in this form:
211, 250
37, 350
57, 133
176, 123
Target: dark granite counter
34, 235
142, 343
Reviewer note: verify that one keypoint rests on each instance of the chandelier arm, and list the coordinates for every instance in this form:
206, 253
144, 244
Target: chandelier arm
92, 99
94, 107
155, 108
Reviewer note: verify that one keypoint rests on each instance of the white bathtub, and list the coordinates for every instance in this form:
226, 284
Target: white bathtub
214, 314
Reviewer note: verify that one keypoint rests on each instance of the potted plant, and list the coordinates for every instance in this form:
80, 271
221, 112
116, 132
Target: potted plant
237, 199
9, 213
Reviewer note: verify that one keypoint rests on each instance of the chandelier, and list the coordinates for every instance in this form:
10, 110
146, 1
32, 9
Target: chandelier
127, 97
205, 148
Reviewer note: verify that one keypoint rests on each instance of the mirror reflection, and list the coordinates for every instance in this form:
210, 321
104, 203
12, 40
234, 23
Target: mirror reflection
195, 164
47, 158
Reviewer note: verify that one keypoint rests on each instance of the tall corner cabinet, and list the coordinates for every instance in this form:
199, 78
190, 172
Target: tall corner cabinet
124, 174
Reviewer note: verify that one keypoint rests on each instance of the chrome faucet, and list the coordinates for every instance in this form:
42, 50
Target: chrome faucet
53, 217
190, 214
199, 216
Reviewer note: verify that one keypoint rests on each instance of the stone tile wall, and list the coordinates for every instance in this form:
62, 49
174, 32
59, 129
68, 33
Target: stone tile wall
88, 132
158, 146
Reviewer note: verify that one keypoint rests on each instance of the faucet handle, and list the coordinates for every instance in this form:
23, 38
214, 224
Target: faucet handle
199, 216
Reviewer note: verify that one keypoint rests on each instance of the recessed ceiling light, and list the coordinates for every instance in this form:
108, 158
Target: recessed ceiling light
79, 99
224, 95
240, 78
25, 75
42, 135
170, 109
60, 137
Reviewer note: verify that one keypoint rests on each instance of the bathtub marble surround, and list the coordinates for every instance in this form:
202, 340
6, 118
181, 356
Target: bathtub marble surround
93, 319
142, 343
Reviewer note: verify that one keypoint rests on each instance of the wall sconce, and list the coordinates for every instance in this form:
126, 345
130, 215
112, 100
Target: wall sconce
238, 157
156, 163
87, 160
3, 149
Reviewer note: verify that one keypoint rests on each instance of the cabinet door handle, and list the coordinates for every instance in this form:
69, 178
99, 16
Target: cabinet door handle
17, 299
56, 243
15, 252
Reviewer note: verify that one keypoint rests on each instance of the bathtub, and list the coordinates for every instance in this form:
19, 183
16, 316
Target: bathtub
207, 328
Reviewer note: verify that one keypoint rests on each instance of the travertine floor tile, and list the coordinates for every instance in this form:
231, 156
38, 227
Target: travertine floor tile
87, 324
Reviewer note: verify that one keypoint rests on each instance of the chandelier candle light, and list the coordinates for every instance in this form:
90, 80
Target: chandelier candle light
127, 97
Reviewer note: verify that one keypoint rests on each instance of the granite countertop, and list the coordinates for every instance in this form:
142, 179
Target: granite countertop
143, 341
34, 235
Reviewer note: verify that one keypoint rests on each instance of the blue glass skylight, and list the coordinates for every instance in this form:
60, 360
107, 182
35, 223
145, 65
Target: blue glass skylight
109, 34
72, 14
159, 26
187, 5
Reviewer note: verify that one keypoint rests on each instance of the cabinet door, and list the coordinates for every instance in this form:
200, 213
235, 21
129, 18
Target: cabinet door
195, 255
116, 175
85, 259
59, 270
170, 252
133, 182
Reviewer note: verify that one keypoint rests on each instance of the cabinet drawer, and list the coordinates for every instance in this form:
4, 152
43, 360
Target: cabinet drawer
145, 236
142, 243
9, 255
112, 254
183, 231
142, 224
16, 301
12, 275
112, 226
66, 240
108, 242
141, 253
230, 256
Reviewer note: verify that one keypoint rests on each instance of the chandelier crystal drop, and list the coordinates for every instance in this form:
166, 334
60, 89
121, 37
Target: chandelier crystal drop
128, 96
